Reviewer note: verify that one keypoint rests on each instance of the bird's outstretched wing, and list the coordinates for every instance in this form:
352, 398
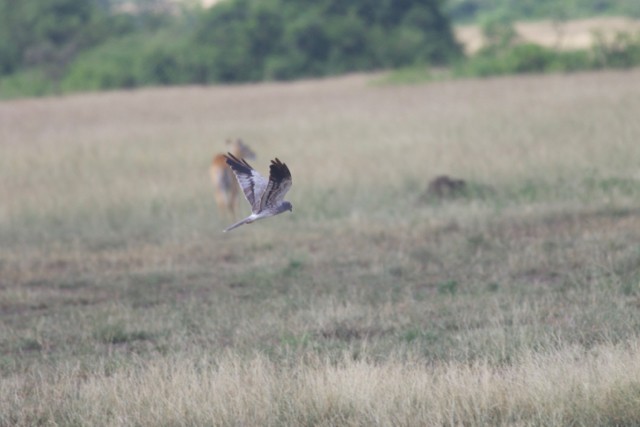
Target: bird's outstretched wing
252, 183
278, 185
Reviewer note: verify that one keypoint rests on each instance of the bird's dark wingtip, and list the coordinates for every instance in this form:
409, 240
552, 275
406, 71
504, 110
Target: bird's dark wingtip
279, 170
236, 163
231, 158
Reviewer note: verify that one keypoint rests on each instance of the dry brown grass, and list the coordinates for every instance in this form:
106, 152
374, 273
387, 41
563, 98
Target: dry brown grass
569, 386
122, 303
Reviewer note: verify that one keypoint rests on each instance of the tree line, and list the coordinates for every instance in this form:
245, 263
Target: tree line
53, 46
87, 44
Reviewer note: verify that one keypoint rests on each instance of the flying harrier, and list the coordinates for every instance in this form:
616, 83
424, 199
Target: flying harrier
264, 196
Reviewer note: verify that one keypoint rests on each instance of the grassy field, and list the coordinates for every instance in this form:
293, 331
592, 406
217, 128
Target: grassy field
122, 303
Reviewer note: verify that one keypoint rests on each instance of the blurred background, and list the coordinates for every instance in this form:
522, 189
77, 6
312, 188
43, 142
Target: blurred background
59, 46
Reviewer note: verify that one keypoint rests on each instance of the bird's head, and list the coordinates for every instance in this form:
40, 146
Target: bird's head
286, 206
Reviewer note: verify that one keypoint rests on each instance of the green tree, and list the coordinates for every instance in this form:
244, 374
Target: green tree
41, 32
252, 40
85, 46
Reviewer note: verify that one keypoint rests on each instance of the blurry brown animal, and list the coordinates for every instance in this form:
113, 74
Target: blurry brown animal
225, 186
443, 187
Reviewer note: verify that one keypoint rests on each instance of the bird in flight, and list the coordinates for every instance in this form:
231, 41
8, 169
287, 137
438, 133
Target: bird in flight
264, 196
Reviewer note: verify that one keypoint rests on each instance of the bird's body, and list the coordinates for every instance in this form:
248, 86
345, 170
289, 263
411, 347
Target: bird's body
264, 196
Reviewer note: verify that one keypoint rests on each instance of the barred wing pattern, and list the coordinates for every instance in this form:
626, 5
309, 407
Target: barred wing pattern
265, 197
279, 183
252, 183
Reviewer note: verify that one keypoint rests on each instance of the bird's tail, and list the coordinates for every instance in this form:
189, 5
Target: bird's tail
247, 220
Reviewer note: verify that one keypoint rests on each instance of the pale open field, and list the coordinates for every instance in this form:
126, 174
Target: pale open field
122, 303
570, 34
